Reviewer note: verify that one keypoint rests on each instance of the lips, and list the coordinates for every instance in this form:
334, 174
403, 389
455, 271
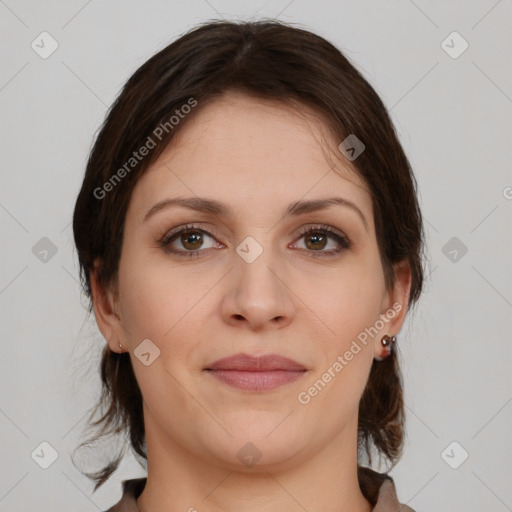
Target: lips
265, 363
256, 373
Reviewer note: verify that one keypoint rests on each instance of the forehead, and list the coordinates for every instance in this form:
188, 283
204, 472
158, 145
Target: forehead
252, 153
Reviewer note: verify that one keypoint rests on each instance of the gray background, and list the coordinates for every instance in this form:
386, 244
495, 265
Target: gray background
453, 117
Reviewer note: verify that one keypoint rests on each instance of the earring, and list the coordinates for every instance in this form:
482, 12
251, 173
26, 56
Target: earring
121, 347
388, 343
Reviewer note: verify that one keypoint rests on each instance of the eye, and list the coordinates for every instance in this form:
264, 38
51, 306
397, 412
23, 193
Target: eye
317, 238
191, 238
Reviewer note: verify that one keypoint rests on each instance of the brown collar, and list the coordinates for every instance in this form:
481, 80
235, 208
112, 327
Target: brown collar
377, 488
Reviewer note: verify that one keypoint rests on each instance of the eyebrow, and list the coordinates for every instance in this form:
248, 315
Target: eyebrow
214, 207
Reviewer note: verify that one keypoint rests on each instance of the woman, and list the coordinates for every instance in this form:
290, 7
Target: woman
250, 238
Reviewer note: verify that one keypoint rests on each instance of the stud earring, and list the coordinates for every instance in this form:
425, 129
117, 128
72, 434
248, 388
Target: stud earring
121, 347
388, 343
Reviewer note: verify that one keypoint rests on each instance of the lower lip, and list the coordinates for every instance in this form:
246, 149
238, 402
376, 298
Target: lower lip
256, 381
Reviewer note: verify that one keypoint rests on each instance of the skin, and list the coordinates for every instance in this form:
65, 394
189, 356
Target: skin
257, 157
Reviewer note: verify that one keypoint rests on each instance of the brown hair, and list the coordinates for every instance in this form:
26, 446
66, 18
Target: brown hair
266, 59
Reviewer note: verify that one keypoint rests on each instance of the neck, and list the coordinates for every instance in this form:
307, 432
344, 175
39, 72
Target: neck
179, 480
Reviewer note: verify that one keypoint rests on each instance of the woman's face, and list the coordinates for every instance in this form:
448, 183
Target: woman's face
246, 280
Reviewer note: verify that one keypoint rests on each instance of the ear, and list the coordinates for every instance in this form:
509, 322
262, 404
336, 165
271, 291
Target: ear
105, 310
394, 304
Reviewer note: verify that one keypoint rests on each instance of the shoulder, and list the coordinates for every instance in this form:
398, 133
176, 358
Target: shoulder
379, 489
132, 489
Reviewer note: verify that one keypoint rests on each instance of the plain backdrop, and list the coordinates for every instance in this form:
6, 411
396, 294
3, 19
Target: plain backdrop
442, 67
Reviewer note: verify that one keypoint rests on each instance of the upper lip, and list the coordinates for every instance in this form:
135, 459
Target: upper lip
262, 363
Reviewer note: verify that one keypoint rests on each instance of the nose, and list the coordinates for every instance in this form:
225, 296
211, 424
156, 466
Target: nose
258, 296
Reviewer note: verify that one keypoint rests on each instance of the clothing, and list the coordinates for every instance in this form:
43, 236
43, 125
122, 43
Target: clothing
377, 488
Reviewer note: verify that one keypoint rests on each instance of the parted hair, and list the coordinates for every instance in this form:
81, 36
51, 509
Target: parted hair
270, 60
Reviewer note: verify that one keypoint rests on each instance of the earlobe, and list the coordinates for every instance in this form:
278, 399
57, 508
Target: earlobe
104, 304
387, 347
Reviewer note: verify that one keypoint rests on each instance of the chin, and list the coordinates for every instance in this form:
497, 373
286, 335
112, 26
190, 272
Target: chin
263, 446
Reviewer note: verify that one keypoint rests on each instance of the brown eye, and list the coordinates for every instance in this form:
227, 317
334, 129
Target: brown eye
191, 239
323, 241
188, 241
315, 240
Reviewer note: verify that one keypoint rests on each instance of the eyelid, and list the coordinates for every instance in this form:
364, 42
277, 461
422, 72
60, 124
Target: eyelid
210, 231
321, 227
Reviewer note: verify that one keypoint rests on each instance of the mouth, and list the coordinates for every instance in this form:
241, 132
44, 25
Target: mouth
256, 373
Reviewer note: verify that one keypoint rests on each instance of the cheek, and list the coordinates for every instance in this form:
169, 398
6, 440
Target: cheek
348, 303
159, 297
348, 300
159, 303
348, 306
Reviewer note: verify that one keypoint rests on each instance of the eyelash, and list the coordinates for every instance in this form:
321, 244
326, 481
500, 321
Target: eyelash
345, 243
